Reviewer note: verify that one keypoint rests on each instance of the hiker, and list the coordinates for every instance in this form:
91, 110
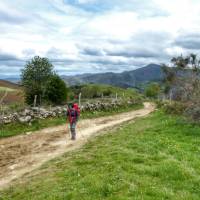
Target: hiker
73, 114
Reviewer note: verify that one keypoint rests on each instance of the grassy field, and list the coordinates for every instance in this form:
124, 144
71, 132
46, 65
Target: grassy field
3, 89
17, 128
156, 158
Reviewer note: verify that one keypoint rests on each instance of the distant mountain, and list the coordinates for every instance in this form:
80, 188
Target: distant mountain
134, 78
11, 79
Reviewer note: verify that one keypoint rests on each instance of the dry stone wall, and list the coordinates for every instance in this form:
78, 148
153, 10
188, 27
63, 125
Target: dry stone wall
30, 114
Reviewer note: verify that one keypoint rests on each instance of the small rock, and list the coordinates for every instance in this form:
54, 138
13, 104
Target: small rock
24, 119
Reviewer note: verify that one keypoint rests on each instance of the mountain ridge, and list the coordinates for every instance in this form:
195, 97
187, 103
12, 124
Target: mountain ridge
133, 78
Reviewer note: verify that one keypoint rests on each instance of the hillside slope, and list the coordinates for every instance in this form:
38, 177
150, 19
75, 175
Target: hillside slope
8, 84
10, 92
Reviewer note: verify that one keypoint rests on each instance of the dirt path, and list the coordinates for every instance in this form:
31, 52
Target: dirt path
22, 154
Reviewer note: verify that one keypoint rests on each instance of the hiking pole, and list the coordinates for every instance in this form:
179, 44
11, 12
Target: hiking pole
68, 125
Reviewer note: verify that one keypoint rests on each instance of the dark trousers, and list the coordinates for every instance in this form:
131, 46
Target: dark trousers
73, 130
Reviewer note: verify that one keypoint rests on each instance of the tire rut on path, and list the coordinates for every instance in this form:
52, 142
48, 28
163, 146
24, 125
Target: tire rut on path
24, 153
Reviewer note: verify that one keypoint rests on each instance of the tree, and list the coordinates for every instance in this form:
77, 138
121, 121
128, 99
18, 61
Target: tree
183, 78
183, 82
34, 78
56, 90
152, 90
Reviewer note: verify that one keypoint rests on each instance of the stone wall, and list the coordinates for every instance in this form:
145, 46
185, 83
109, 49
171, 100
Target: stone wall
30, 114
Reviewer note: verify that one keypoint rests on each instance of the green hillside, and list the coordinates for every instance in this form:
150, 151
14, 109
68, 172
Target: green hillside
100, 90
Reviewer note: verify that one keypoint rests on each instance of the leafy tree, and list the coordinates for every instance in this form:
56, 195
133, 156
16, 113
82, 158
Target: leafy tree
183, 82
34, 78
56, 90
152, 90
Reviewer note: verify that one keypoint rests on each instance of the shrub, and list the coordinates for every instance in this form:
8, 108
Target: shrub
193, 112
160, 103
152, 90
174, 108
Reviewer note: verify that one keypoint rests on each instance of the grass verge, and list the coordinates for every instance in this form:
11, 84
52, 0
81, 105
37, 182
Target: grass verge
17, 128
157, 157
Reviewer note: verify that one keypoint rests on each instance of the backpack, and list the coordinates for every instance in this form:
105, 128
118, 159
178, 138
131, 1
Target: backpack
75, 106
73, 115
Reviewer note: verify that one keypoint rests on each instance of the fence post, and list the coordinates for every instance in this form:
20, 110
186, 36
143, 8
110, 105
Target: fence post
79, 99
35, 101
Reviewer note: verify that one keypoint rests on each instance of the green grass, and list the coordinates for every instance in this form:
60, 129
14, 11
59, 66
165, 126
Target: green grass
156, 158
3, 89
17, 128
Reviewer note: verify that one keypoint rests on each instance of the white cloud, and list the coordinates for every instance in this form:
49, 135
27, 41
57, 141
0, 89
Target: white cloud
120, 25
86, 1
86, 35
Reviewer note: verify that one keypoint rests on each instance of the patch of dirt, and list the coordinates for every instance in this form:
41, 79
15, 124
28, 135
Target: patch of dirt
24, 153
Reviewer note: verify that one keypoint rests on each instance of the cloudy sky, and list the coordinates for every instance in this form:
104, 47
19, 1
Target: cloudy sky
81, 36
